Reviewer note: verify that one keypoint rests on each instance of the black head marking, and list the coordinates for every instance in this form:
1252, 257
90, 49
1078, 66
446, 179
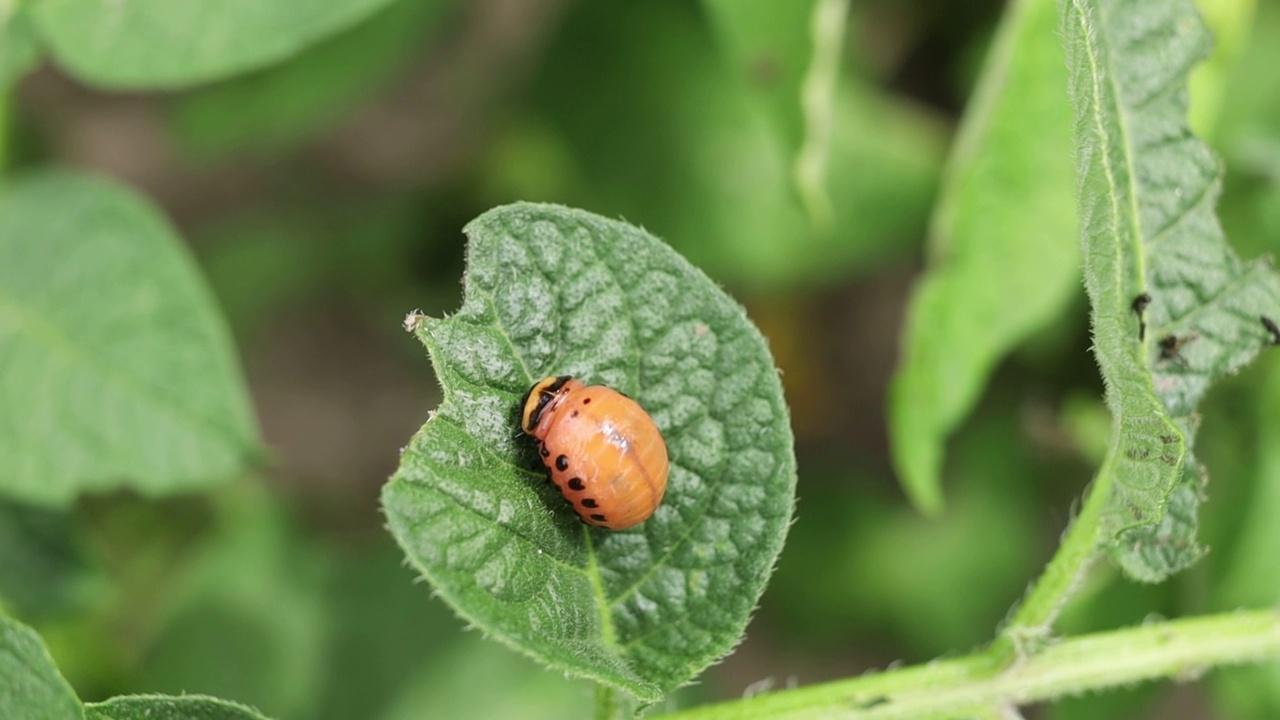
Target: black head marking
598, 517
562, 463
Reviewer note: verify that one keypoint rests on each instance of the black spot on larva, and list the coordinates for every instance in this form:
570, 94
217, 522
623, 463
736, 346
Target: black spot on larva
576, 484
586, 401
589, 502
573, 414
597, 517
542, 449
562, 463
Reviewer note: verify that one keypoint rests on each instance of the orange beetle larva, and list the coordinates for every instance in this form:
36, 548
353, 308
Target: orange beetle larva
604, 452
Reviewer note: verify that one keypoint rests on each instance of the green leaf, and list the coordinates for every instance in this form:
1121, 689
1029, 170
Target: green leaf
1004, 262
246, 617
111, 346
19, 48
667, 139
162, 707
30, 686
44, 569
164, 44
552, 291
288, 102
1147, 193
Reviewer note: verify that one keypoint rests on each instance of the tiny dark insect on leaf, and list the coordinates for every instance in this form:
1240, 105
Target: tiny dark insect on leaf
1139, 307
1171, 345
1271, 327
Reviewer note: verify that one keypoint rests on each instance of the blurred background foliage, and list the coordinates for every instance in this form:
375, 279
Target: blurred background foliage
324, 197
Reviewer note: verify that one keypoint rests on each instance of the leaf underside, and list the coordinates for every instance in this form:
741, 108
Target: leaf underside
1148, 190
554, 291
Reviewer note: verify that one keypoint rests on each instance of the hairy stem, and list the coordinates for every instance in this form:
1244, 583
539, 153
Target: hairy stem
970, 686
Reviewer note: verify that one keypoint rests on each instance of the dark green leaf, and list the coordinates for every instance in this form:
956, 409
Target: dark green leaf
246, 618
670, 139
290, 101
1147, 193
162, 707
166, 44
1004, 261
30, 686
19, 49
554, 291
44, 569
111, 346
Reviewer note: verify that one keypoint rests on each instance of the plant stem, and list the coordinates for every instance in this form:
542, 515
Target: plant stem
966, 687
612, 705
1033, 619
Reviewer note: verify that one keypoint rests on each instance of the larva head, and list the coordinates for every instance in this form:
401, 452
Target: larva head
541, 401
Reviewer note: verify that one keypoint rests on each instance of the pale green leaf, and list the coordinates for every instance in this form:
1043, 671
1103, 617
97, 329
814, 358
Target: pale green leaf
553, 291
163, 707
1004, 260
1147, 193
284, 103
19, 47
112, 352
30, 686
166, 44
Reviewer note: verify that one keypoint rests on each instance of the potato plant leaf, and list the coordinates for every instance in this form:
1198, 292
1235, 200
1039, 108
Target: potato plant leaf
164, 707
30, 685
551, 291
19, 50
1004, 259
115, 367
1173, 307
164, 44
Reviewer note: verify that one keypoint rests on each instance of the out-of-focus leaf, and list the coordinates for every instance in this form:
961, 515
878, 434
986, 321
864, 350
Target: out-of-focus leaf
1004, 261
164, 44
44, 569
446, 687
19, 47
934, 583
247, 619
1251, 577
112, 349
290, 101
552, 291
672, 141
1147, 194
30, 686
161, 707
1230, 21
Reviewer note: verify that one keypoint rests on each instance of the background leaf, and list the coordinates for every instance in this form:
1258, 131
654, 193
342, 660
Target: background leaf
680, 142
44, 567
288, 102
161, 707
30, 686
111, 347
556, 291
163, 44
19, 49
1003, 256
1148, 190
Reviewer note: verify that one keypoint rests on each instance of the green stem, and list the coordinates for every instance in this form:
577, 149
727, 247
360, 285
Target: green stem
966, 687
1033, 619
612, 705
